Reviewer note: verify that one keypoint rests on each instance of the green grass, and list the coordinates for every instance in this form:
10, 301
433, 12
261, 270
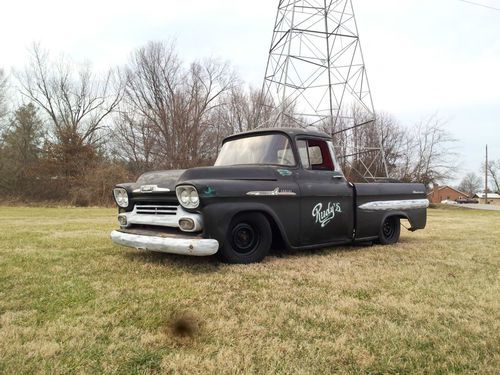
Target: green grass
71, 302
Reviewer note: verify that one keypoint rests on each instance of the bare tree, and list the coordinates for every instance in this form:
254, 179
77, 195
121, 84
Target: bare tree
75, 100
167, 112
423, 153
135, 141
243, 110
494, 173
392, 139
427, 153
470, 184
3, 95
358, 148
76, 104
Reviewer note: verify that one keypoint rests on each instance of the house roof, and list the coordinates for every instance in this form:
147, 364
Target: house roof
490, 195
449, 187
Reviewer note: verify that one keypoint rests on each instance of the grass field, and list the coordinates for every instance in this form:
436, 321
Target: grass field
71, 302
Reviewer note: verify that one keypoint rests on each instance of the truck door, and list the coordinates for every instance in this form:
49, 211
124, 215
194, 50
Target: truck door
326, 207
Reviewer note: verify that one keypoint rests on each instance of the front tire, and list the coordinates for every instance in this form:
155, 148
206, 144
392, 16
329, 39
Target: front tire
248, 239
390, 231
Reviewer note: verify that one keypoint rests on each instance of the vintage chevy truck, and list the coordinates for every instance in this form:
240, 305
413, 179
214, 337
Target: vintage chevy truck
270, 186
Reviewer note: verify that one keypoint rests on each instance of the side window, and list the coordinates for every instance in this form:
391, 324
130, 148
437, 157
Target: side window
315, 154
336, 165
304, 154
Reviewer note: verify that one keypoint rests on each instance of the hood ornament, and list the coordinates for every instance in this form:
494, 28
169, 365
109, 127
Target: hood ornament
151, 189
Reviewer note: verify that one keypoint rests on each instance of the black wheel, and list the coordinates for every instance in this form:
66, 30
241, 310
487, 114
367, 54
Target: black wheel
248, 239
390, 231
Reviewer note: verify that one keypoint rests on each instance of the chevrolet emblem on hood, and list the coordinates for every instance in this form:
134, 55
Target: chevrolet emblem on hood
151, 189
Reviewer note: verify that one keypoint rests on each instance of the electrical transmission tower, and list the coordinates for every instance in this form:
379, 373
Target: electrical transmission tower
316, 76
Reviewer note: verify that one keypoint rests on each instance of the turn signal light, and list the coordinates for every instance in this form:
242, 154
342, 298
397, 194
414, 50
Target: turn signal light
186, 225
122, 220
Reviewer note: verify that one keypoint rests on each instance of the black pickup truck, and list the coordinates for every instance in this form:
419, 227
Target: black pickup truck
268, 186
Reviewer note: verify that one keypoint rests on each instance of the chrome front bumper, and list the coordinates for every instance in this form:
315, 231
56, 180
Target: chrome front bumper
181, 245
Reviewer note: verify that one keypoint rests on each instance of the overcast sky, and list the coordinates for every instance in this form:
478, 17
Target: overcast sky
422, 56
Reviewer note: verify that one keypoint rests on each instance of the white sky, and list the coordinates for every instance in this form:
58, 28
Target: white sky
423, 56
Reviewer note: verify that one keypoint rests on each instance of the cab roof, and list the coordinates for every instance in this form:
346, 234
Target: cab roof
292, 132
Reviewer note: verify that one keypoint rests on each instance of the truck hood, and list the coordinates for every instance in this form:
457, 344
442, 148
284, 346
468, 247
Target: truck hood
247, 173
169, 179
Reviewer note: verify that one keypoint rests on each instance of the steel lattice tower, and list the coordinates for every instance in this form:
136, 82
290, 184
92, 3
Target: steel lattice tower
316, 76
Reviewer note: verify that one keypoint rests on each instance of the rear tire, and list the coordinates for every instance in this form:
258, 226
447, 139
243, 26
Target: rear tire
248, 239
390, 231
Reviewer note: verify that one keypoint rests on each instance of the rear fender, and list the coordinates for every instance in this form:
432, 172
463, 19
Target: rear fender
416, 219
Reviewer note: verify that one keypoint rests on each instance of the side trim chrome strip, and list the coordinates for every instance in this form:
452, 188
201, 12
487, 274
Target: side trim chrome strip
410, 204
273, 193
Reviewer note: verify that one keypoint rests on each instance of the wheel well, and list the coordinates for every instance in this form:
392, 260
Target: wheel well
278, 241
395, 214
400, 215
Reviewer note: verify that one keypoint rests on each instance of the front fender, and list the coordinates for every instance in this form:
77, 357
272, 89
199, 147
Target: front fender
218, 216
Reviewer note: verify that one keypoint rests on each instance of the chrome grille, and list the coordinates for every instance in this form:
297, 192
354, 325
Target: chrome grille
156, 210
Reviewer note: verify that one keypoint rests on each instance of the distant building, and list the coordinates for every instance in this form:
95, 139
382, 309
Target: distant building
441, 193
493, 198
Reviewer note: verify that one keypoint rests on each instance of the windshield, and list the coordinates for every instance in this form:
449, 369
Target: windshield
274, 149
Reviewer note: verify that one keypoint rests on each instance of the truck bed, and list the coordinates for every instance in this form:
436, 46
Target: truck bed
376, 201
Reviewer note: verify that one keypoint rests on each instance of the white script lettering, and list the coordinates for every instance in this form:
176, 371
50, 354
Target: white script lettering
323, 217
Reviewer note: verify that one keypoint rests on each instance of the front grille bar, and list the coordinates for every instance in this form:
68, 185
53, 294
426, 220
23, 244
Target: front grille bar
156, 210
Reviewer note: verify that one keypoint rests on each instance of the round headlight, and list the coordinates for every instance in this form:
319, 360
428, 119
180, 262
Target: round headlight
194, 198
187, 196
184, 197
121, 197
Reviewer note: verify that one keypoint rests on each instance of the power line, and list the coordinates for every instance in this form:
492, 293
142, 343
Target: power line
479, 4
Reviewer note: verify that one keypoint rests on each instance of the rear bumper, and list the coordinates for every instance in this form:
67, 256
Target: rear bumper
173, 244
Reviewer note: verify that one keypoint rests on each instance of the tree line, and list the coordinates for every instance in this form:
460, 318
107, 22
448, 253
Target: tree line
74, 133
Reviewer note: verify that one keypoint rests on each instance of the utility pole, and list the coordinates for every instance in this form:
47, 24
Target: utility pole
486, 177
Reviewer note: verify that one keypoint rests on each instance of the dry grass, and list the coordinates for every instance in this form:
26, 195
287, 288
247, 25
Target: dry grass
71, 302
